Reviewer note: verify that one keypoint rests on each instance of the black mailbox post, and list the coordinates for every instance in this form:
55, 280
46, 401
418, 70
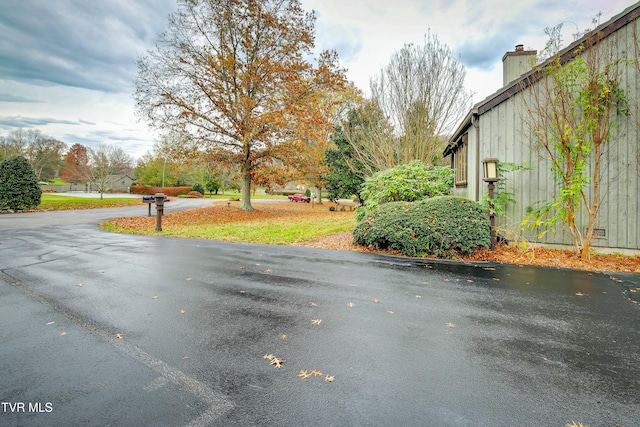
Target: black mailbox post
159, 198
148, 200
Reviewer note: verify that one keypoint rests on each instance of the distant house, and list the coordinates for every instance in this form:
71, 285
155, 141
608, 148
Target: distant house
119, 183
496, 128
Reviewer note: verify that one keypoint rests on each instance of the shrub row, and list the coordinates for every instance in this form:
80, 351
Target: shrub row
150, 190
439, 226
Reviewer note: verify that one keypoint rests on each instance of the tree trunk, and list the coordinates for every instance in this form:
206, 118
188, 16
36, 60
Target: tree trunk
317, 191
245, 203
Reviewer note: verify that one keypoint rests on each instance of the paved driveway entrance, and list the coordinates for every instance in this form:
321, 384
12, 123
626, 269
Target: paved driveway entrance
102, 329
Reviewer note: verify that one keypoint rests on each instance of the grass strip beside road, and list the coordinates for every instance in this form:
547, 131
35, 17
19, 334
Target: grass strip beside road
277, 223
53, 202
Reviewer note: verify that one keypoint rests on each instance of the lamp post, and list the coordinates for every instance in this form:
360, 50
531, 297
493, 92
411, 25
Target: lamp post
490, 176
164, 165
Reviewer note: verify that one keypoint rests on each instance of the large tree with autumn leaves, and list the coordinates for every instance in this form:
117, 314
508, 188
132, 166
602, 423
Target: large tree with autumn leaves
76, 165
234, 77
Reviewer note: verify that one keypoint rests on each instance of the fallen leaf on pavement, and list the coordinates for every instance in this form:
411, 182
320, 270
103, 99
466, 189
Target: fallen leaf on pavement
316, 321
304, 374
277, 362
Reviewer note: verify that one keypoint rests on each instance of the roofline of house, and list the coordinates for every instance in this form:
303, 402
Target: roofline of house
565, 55
455, 138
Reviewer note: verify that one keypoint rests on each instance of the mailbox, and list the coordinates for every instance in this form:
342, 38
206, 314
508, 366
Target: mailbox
148, 200
159, 210
159, 198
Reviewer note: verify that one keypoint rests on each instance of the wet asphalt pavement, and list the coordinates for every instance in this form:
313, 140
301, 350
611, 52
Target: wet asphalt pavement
103, 329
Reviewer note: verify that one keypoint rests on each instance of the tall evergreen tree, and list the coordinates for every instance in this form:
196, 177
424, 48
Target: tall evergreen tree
19, 188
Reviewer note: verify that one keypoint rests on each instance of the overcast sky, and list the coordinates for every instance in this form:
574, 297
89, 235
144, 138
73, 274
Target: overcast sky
67, 66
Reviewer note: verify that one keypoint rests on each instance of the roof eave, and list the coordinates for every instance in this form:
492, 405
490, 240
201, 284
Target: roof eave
464, 125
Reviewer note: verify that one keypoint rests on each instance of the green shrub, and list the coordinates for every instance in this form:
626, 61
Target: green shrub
198, 187
409, 182
19, 188
440, 226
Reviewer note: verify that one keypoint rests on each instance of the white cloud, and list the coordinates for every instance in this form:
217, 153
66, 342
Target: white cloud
68, 66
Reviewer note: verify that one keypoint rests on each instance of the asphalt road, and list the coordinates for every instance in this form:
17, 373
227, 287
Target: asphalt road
102, 329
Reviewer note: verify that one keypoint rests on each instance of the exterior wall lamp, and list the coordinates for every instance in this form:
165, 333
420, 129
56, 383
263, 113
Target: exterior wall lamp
490, 176
490, 167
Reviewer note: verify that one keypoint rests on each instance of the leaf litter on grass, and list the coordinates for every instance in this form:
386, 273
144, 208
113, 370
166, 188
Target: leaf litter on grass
279, 223
291, 215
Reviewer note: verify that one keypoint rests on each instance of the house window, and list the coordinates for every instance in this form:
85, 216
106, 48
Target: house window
460, 158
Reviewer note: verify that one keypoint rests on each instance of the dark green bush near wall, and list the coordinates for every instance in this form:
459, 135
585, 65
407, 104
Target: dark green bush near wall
19, 188
440, 226
198, 187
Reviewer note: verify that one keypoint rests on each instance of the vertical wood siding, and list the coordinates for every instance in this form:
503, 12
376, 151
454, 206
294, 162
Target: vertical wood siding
504, 135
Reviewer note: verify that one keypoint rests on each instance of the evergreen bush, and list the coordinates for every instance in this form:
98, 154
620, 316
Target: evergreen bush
198, 187
19, 188
440, 226
408, 182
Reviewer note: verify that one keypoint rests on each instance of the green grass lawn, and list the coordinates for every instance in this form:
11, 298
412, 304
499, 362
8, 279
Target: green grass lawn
269, 223
274, 233
57, 181
53, 202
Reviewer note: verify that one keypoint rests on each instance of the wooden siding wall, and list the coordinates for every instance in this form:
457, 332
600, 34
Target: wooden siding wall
504, 135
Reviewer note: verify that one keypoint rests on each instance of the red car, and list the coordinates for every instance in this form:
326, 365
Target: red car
299, 198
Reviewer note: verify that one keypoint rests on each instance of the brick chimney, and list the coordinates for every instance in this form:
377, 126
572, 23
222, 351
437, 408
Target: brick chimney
516, 63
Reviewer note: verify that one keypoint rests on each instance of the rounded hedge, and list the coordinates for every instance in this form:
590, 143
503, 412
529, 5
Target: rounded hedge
405, 183
440, 226
198, 187
19, 188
